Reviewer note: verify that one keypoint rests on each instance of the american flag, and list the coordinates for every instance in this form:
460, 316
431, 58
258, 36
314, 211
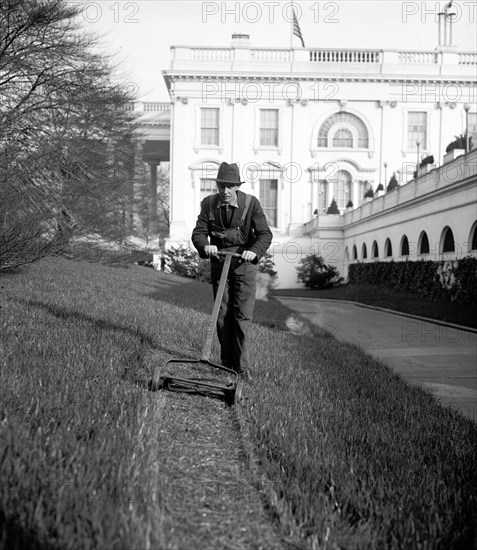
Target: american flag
296, 29
447, 7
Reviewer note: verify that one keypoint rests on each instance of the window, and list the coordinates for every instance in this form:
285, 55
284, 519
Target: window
207, 187
355, 253
375, 250
268, 200
269, 127
342, 188
416, 130
405, 246
448, 244
473, 244
388, 248
364, 252
424, 247
322, 197
209, 126
343, 135
343, 138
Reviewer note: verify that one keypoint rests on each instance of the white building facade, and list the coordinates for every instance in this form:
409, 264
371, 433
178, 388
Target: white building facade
308, 126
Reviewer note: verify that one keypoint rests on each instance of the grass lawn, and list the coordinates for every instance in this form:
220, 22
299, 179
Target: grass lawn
345, 453
405, 302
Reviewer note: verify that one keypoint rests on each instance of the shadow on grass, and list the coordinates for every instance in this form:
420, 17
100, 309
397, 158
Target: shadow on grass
15, 538
196, 295
99, 324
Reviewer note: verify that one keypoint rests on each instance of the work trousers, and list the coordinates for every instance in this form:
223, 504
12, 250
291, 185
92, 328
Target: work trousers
236, 311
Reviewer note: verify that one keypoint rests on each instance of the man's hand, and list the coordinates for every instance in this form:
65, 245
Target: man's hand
248, 255
210, 250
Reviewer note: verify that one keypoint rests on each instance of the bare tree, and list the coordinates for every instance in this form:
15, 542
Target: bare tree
66, 158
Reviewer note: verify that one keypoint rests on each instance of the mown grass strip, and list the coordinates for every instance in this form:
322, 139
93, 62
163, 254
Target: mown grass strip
82, 439
355, 457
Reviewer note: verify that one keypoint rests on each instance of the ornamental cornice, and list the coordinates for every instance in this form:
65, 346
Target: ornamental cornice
324, 168
290, 77
164, 124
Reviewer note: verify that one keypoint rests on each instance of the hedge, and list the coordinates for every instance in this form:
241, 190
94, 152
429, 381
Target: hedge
453, 281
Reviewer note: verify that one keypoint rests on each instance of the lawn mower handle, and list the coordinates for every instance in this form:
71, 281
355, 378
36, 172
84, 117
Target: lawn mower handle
225, 253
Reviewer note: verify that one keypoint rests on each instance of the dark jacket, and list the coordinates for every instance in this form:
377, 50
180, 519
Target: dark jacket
256, 234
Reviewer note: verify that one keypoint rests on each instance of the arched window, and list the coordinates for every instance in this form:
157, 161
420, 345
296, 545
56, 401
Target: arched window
203, 178
424, 243
343, 121
473, 241
343, 138
404, 246
364, 252
207, 187
355, 253
448, 244
375, 250
388, 248
342, 188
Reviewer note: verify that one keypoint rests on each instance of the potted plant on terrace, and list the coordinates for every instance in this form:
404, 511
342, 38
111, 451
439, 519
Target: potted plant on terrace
455, 148
426, 164
369, 195
380, 190
333, 208
393, 183
349, 205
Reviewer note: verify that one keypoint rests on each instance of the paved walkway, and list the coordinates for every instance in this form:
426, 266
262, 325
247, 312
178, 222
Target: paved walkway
441, 358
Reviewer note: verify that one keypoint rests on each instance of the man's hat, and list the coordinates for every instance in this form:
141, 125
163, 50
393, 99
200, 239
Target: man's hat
229, 174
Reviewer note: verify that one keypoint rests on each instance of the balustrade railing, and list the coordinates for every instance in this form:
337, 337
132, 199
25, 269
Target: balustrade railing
148, 107
418, 57
467, 58
323, 56
212, 54
345, 56
157, 107
271, 55
464, 167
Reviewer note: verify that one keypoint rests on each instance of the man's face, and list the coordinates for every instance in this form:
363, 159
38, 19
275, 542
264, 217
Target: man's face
227, 194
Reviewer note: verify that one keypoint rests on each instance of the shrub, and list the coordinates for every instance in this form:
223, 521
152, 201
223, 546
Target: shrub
393, 184
427, 160
315, 274
183, 261
380, 187
349, 204
267, 265
458, 143
369, 194
333, 208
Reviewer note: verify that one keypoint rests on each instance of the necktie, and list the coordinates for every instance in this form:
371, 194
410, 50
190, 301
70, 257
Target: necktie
228, 214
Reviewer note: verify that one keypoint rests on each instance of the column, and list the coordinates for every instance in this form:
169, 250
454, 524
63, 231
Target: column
329, 194
153, 228
381, 137
355, 190
134, 218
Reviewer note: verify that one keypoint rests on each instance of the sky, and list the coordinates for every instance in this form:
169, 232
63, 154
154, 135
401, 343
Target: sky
138, 34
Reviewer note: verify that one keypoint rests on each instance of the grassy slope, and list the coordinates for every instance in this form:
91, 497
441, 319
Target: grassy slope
354, 456
405, 302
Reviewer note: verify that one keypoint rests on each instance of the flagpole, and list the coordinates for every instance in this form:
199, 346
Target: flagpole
291, 27
290, 219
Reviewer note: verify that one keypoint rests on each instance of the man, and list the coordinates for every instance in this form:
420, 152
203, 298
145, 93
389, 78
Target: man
233, 221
